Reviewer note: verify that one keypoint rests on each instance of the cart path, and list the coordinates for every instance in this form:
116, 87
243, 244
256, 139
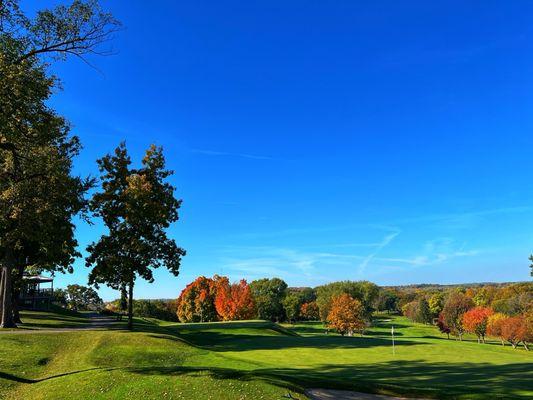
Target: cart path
95, 321
328, 394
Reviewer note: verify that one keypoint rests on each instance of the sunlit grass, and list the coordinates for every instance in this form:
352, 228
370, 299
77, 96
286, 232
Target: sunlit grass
255, 360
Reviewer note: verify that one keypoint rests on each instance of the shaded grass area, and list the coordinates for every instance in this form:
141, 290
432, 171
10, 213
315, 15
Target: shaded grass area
257, 359
56, 318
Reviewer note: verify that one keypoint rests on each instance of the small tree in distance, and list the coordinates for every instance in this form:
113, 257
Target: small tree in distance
456, 305
346, 315
234, 301
475, 321
197, 301
494, 326
441, 324
309, 311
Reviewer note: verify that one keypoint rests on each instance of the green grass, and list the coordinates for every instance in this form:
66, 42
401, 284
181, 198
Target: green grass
256, 360
56, 318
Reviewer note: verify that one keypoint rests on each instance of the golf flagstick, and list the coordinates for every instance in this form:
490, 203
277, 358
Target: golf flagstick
392, 332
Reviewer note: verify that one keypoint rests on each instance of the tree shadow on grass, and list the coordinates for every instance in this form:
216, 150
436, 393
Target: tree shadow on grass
223, 342
415, 378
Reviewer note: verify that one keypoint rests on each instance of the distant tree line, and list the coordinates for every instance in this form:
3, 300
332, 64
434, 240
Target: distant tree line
344, 306
500, 311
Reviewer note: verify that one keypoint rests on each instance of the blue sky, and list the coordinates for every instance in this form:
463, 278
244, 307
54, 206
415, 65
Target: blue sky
317, 141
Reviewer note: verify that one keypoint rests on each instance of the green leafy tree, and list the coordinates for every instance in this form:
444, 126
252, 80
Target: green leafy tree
39, 196
292, 304
387, 300
423, 313
268, 295
137, 205
60, 297
436, 303
531, 265
82, 298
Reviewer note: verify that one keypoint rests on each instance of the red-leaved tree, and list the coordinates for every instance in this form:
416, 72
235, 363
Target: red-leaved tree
441, 324
234, 301
475, 321
456, 305
514, 330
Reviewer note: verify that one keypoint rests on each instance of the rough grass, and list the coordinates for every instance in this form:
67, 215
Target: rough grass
255, 360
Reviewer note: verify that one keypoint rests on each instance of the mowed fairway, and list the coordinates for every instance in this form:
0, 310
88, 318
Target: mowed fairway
256, 360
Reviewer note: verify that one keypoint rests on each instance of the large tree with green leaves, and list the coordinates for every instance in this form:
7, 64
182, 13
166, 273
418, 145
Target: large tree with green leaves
38, 194
137, 206
268, 295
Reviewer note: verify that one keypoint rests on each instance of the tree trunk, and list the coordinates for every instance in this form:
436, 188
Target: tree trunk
1, 291
7, 320
130, 305
526, 346
16, 294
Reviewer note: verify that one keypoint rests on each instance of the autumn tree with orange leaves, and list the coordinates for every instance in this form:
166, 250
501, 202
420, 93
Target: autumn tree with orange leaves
234, 301
197, 301
346, 315
309, 311
475, 321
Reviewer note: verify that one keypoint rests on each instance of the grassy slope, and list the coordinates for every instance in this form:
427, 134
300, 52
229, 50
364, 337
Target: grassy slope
147, 364
256, 360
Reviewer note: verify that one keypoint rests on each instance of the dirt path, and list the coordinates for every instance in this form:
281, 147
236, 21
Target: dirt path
95, 321
328, 394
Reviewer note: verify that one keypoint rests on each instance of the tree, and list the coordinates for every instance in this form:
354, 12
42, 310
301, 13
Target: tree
268, 295
436, 303
137, 206
39, 194
346, 315
527, 338
364, 291
455, 306
514, 330
441, 324
292, 304
234, 301
387, 300
82, 298
197, 301
531, 265
424, 314
494, 326
476, 320
410, 310
60, 297
309, 311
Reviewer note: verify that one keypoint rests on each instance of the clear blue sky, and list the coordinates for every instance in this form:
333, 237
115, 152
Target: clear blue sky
318, 141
